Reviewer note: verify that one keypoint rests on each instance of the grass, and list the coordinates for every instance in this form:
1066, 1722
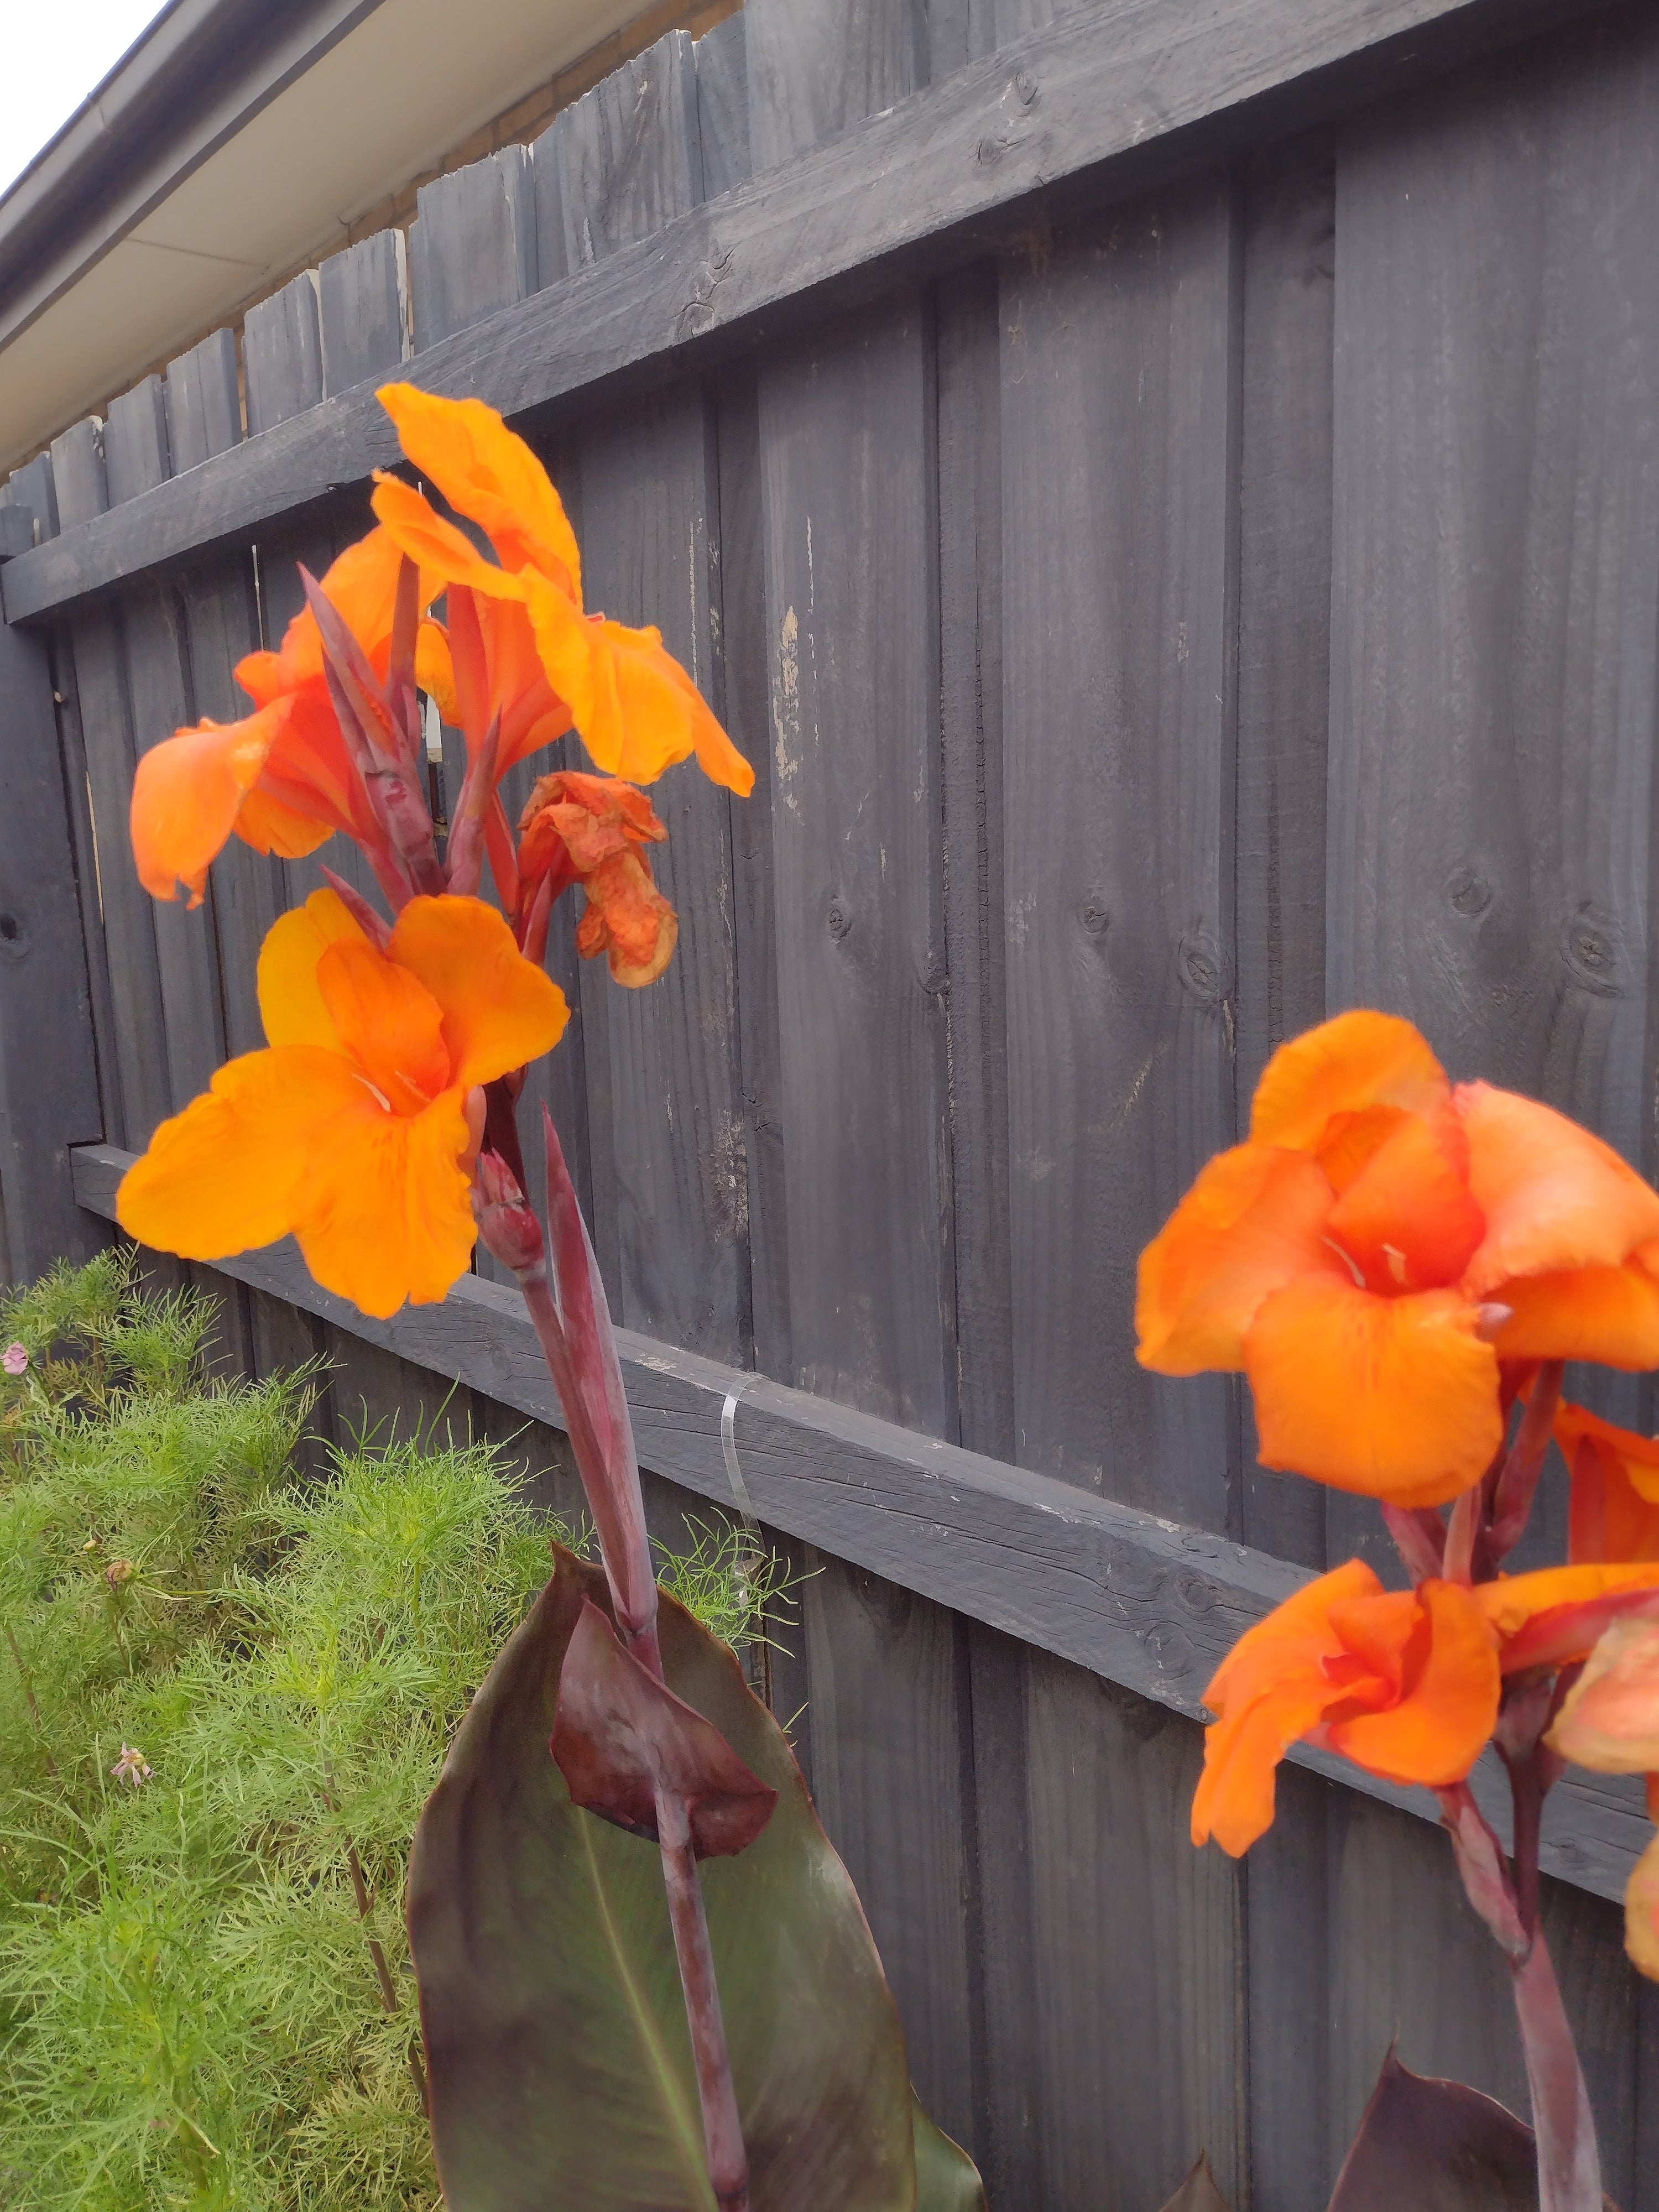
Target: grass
225, 1692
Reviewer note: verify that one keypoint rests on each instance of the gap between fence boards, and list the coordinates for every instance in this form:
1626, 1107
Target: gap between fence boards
1141, 1601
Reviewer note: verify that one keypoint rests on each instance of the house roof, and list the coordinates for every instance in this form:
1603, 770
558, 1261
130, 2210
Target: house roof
237, 140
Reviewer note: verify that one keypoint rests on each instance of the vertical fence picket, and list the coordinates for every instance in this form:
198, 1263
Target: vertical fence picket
722, 65
283, 355
362, 310
849, 534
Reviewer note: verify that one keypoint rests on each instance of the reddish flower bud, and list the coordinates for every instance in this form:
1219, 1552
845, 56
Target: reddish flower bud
507, 1225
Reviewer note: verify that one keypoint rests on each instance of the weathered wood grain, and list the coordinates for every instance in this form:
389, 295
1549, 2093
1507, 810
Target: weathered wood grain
1496, 590
48, 1078
32, 488
283, 355
136, 441
1141, 1601
628, 154
472, 245
722, 66
77, 472
1117, 437
1095, 106
204, 403
816, 69
362, 315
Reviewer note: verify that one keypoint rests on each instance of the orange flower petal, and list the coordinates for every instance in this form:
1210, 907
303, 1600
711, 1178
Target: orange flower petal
499, 1012
488, 474
435, 672
291, 1004
226, 1175
1609, 1315
270, 826
1554, 1196
389, 1023
1642, 1914
362, 586
1358, 1060
1609, 1721
387, 1211
1407, 1216
647, 713
1614, 1512
1513, 1600
187, 792
1253, 1221
422, 532
1394, 1398
1270, 1691
1440, 1726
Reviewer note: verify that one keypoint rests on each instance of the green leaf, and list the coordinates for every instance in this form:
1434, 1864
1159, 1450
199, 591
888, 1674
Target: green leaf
947, 2180
557, 2043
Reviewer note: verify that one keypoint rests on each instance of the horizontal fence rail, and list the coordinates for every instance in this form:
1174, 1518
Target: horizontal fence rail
1139, 1601
914, 187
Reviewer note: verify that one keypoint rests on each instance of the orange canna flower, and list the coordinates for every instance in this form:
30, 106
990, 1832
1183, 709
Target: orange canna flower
593, 830
354, 1130
1609, 1722
1379, 1243
1404, 1683
282, 778
637, 710
1615, 1513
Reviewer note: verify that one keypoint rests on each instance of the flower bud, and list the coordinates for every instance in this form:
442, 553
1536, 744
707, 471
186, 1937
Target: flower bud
507, 1225
117, 1572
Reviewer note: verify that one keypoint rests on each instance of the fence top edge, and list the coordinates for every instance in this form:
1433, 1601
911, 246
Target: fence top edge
1099, 104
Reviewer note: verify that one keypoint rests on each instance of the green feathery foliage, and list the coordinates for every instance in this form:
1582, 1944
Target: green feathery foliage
225, 1693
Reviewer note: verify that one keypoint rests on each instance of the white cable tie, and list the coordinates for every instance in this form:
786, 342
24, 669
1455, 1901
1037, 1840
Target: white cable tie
729, 1446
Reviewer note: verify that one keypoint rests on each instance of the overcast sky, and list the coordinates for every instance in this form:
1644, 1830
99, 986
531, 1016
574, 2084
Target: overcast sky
54, 51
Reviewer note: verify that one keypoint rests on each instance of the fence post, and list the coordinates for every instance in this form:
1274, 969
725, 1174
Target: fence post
48, 1072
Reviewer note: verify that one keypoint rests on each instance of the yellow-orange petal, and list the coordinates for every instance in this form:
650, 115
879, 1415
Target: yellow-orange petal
187, 792
1253, 1221
1613, 1514
1444, 1716
488, 473
1554, 1196
422, 532
1642, 1914
1608, 1315
1357, 1060
268, 826
647, 713
361, 586
499, 1012
1299, 1625
386, 1216
1512, 1601
388, 1022
226, 1175
1609, 1720
1234, 1801
435, 671
1394, 1398
291, 1003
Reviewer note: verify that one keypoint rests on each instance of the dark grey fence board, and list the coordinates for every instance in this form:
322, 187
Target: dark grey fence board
722, 65
1177, 82
136, 441
1496, 600
78, 471
204, 402
1116, 488
283, 355
744, 690
362, 315
816, 66
48, 1076
628, 154
472, 245
33, 488
666, 1128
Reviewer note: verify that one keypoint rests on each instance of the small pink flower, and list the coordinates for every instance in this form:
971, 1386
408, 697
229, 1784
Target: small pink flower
15, 1359
131, 1766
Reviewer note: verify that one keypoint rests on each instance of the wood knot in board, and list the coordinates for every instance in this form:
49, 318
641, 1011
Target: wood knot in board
698, 312
838, 919
1199, 965
12, 936
1094, 915
1590, 949
1469, 892
1171, 1647
1019, 97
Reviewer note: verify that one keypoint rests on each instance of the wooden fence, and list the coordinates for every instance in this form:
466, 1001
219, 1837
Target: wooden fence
1168, 498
